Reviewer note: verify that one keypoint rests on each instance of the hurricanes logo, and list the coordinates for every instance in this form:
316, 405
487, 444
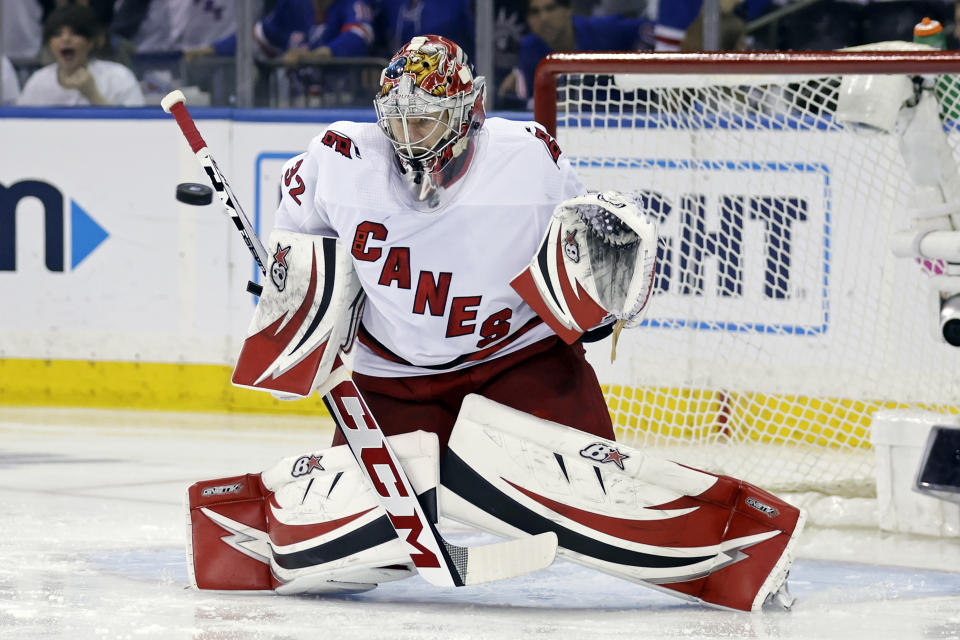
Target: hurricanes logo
571, 248
278, 272
604, 453
305, 464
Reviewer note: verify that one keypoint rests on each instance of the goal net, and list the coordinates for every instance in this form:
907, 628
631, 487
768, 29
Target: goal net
781, 320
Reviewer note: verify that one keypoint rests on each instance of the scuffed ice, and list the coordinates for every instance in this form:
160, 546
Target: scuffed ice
92, 547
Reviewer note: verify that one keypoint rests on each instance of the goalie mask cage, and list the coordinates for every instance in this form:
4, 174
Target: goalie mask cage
780, 319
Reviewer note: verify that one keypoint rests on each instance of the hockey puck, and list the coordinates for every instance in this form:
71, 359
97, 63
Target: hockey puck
193, 193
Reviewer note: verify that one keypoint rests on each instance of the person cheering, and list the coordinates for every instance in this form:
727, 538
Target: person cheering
76, 77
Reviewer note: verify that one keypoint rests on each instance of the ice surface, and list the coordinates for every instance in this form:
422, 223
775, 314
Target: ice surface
91, 546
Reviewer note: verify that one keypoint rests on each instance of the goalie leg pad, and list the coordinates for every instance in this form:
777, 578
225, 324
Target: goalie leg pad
711, 539
309, 311
309, 524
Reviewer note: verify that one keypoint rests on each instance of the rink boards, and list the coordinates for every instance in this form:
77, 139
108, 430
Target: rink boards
117, 295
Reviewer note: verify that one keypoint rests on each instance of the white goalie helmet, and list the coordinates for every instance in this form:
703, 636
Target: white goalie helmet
430, 105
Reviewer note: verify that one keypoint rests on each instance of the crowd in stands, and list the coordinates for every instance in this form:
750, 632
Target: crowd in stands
79, 52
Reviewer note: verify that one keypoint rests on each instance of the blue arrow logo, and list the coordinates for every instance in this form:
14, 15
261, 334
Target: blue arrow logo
86, 234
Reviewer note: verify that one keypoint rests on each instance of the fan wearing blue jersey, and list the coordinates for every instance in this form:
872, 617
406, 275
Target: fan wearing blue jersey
678, 23
345, 28
304, 31
554, 27
673, 20
401, 20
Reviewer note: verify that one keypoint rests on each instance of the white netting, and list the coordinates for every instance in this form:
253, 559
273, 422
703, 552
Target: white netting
781, 320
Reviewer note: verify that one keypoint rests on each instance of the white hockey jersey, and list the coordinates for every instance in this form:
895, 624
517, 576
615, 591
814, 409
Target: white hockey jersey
437, 284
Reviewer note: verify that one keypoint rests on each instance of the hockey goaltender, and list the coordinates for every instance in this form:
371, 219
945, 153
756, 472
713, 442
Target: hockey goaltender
464, 262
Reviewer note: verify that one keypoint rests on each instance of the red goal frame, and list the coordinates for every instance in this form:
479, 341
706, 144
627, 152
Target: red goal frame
783, 62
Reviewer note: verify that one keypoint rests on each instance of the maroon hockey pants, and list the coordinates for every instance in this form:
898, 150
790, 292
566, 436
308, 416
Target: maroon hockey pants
549, 379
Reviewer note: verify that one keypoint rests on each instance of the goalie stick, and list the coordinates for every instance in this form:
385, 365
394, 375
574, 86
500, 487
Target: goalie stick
175, 103
438, 561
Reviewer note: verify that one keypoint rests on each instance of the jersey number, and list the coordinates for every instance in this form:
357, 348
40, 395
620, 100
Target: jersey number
288, 177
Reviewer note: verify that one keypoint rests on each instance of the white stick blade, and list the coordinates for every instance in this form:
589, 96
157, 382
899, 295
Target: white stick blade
174, 97
505, 560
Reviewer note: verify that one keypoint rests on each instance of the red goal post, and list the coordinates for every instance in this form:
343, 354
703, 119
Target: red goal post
781, 320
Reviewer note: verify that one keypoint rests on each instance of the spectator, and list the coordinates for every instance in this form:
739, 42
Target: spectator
679, 25
154, 26
9, 86
21, 26
197, 24
675, 19
305, 31
554, 27
400, 20
144, 26
346, 30
73, 33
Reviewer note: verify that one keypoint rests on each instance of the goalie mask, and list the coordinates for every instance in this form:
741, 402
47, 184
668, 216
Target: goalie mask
430, 105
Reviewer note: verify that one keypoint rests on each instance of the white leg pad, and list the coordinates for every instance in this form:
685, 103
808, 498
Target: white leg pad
696, 535
309, 524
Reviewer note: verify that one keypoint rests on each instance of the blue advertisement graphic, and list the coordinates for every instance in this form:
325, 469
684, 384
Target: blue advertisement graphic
85, 233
